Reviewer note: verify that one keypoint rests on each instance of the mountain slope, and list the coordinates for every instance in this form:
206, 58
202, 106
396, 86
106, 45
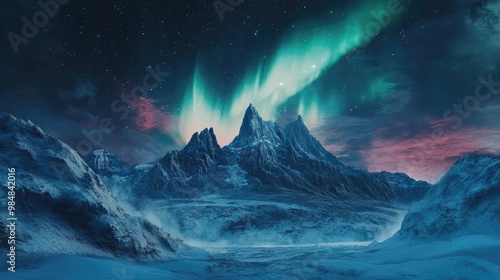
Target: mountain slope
75, 212
464, 202
118, 176
291, 157
407, 189
200, 167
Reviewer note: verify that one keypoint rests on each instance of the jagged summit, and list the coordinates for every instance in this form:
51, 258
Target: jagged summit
299, 119
254, 130
298, 128
201, 155
266, 155
298, 136
251, 111
251, 120
205, 141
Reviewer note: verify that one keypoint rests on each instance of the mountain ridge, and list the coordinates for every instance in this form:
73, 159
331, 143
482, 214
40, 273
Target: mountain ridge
75, 211
266, 155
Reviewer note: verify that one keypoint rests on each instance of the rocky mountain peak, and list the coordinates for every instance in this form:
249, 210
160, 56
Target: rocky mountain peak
251, 122
251, 112
254, 130
298, 136
204, 141
298, 127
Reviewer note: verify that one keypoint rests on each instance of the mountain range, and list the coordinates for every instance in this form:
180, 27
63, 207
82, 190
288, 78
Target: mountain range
69, 205
264, 157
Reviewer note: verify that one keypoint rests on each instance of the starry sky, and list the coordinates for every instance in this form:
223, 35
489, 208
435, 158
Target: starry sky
403, 86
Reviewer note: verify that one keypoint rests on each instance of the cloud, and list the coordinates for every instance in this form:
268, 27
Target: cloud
426, 157
403, 142
348, 136
149, 117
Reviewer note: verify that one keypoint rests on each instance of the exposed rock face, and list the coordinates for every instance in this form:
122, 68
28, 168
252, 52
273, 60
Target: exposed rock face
263, 155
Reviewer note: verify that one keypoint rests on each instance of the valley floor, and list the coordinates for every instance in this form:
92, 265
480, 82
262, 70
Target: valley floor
284, 218
470, 257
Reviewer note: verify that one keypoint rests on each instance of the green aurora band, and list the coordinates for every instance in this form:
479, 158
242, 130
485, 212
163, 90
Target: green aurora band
298, 62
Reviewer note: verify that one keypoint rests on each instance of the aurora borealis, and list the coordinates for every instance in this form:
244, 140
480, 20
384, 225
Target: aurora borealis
298, 62
372, 79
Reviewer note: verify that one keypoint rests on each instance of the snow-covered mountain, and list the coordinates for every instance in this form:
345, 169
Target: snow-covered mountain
407, 189
264, 157
199, 168
464, 202
62, 206
105, 163
117, 175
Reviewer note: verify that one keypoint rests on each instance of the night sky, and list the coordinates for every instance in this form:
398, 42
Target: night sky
404, 86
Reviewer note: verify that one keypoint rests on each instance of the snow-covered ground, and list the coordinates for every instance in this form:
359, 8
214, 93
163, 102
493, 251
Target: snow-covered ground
469, 257
287, 218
